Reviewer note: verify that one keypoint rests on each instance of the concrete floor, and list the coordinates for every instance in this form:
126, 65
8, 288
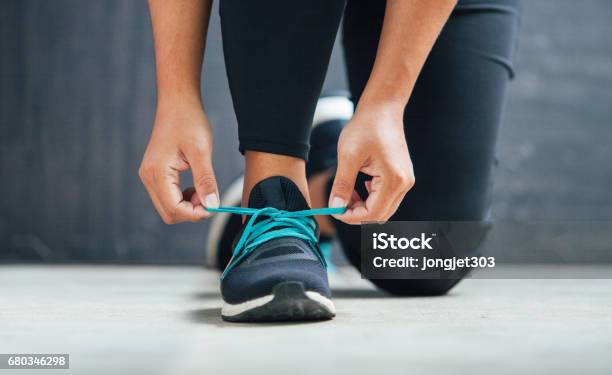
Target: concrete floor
165, 320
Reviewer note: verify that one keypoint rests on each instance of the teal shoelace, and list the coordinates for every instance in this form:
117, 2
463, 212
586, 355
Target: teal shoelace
274, 224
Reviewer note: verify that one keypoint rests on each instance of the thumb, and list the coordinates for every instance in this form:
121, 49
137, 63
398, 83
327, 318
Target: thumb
204, 178
344, 182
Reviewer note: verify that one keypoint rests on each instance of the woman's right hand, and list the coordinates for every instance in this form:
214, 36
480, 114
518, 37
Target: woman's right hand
181, 140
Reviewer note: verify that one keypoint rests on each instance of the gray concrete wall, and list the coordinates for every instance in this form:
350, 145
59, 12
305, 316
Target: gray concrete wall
77, 101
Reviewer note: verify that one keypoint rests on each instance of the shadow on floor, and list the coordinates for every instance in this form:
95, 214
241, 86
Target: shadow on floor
212, 316
337, 293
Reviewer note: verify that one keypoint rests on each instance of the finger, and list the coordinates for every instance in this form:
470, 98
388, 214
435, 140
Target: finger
147, 176
344, 181
384, 195
190, 195
398, 201
204, 179
405, 181
388, 192
372, 210
156, 203
354, 209
175, 209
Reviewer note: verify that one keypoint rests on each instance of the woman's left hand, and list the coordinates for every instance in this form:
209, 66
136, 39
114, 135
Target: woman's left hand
373, 142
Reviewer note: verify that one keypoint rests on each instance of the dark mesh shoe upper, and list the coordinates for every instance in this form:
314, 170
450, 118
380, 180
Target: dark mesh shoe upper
278, 260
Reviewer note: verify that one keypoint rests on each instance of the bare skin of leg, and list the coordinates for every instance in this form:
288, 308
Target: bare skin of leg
261, 165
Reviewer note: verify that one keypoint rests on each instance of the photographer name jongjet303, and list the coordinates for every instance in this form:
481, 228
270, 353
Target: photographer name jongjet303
385, 241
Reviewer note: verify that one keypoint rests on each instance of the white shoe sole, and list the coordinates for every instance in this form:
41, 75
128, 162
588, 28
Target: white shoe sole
288, 302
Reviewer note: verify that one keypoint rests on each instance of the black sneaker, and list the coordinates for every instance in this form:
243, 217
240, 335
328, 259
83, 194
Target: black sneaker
273, 275
332, 113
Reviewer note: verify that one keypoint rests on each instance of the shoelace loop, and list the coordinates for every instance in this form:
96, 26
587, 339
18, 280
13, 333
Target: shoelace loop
276, 224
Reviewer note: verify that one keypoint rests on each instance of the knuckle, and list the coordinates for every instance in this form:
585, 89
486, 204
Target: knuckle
154, 175
174, 217
343, 186
200, 147
206, 182
406, 181
410, 181
348, 152
150, 172
395, 173
144, 172
402, 178
168, 219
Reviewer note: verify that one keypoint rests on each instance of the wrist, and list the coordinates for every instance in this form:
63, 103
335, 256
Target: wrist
392, 108
388, 89
181, 99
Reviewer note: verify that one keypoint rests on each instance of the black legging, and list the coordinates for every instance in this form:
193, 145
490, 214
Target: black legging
277, 53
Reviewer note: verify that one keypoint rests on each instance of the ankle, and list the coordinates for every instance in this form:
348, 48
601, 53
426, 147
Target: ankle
261, 165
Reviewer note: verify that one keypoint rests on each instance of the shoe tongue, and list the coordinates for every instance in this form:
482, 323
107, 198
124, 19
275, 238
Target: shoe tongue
278, 192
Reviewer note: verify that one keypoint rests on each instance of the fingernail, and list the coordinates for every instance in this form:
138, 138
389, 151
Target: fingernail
211, 201
337, 203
